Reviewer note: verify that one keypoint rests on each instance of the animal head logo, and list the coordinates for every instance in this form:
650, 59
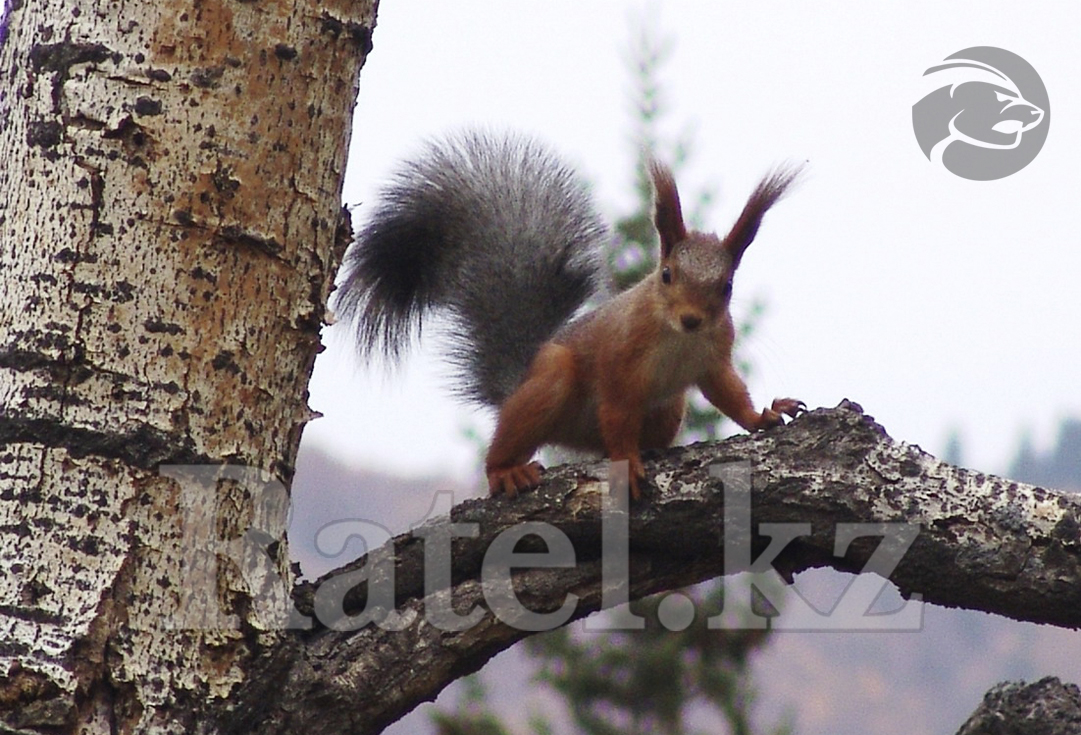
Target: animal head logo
987, 116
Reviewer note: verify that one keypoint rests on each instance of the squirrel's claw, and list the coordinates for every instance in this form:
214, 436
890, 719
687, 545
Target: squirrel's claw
635, 477
638, 478
781, 407
788, 406
509, 480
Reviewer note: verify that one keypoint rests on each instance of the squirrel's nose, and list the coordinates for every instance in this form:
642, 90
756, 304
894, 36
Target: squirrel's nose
690, 322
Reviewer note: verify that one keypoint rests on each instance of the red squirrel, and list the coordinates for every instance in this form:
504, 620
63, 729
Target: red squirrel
503, 235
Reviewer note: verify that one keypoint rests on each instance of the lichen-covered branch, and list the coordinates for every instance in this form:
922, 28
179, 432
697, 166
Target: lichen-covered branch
1045, 707
983, 543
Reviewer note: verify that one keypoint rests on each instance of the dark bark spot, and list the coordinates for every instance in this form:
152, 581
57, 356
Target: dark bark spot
235, 236
203, 274
207, 77
159, 326
147, 106
44, 133
144, 447
224, 361
58, 58
224, 182
67, 255
358, 33
285, 52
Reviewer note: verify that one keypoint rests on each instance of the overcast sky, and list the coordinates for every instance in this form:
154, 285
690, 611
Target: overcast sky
936, 302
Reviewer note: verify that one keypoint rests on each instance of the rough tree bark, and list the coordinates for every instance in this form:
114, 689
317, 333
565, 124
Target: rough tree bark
1046, 707
169, 225
170, 221
983, 543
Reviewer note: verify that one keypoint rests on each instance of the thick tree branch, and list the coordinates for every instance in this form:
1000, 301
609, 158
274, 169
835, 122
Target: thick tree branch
983, 543
1046, 707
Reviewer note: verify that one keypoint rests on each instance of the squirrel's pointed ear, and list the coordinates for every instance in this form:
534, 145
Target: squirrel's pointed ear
668, 216
765, 195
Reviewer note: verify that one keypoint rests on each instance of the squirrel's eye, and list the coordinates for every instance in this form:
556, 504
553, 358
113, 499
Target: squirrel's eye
666, 274
727, 291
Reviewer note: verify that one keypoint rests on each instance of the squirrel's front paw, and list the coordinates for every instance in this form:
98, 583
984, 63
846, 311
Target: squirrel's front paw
509, 480
781, 407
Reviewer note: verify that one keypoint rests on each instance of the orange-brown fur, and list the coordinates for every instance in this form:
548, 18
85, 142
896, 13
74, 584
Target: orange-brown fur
615, 380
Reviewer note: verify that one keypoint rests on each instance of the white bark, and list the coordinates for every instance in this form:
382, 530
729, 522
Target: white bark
169, 223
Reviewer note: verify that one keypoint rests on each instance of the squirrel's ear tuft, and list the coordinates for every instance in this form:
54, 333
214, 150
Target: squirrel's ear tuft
668, 216
765, 195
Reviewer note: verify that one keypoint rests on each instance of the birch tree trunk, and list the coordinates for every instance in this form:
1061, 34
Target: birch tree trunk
170, 220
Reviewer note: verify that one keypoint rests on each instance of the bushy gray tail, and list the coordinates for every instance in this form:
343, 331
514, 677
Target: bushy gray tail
495, 229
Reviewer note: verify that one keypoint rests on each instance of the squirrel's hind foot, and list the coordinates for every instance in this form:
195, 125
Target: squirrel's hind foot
509, 480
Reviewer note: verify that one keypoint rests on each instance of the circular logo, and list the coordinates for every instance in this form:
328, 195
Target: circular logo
986, 116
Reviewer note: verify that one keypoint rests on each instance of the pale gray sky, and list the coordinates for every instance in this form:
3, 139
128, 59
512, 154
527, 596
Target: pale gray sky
933, 301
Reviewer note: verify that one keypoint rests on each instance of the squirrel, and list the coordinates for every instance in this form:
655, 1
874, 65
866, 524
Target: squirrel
502, 234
